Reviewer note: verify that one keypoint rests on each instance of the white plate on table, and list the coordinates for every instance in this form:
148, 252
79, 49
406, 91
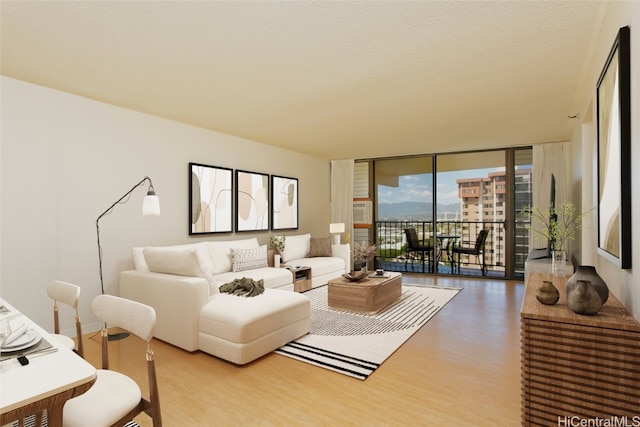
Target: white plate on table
26, 340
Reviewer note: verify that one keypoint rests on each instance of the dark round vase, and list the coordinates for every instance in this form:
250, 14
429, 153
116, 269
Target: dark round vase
547, 293
583, 298
588, 273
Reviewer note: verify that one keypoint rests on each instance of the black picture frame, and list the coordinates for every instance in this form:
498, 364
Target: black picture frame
252, 201
614, 154
210, 199
284, 203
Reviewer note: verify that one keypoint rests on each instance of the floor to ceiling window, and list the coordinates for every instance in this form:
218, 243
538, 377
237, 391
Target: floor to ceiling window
404, 200
462, 209
471, 189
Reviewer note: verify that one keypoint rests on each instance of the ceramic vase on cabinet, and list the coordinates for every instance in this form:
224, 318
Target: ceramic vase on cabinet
582, 298
547, 293
589, 273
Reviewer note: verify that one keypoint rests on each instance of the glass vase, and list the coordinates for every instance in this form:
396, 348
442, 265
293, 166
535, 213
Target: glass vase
558, 262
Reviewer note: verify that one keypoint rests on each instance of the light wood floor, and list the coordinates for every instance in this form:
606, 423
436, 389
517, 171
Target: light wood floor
461, 369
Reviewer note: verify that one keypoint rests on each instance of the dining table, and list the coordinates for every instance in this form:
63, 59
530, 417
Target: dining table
46, 377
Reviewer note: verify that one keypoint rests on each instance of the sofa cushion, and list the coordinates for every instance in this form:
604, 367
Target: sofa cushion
249, 258
140, 262
272, 277
220, 252
181, 261
296, 247
320, 246
322, 265
138, 259
242, 320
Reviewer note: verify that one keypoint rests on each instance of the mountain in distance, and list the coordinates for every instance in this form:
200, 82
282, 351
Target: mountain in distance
405, 211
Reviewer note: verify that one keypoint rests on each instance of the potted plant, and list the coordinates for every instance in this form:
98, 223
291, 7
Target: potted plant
363, 253
276, 242
557, 225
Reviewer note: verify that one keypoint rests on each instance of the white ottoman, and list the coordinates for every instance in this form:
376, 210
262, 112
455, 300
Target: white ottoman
241, 329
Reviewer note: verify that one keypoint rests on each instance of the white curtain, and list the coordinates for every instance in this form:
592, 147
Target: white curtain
551, 158
342, 193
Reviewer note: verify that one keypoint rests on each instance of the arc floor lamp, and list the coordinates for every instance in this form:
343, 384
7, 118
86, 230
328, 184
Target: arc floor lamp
150, 207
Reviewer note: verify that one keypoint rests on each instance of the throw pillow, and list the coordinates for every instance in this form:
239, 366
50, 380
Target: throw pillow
249, 258
181, 261
296, 247
320, 246
220, 252
138, 259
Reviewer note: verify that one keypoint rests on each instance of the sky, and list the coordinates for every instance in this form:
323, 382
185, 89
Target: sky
418, 188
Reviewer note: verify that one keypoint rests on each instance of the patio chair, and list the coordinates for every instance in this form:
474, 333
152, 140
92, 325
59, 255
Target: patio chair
416, 247
477, 249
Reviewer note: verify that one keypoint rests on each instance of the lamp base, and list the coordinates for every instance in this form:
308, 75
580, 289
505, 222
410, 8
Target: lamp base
118, 336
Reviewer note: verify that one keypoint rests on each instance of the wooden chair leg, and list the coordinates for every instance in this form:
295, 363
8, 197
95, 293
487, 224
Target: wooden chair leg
79, 343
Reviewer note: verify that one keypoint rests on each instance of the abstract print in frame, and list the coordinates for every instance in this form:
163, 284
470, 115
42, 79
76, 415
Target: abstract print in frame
284, 203
614, 154
210, 199
252, 201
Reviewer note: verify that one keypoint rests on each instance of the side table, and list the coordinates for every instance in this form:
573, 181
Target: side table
301, 277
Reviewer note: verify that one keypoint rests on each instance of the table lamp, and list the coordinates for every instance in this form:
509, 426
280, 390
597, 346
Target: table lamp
336, 229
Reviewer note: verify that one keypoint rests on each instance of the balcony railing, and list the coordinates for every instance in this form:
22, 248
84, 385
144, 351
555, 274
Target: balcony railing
394, 256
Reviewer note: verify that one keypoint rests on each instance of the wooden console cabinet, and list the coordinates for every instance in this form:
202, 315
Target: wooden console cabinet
574, 365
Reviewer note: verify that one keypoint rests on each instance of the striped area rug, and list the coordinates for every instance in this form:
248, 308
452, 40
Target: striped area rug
30, 421
357, 344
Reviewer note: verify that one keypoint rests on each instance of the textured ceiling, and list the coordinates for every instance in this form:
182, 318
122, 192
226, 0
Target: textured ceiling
333, 79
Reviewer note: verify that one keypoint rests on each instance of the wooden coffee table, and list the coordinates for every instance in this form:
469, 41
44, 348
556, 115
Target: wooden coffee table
370, 295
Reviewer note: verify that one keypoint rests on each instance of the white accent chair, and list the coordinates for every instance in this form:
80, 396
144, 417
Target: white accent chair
115, 399
69, 294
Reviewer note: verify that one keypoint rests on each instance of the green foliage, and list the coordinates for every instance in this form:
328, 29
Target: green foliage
557, 225
277, 242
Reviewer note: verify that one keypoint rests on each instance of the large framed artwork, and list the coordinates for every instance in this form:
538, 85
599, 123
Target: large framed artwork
614, 154
252, 201
284, 203
210, 199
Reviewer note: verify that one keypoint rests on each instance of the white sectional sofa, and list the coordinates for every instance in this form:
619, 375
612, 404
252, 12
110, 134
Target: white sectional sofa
181, 283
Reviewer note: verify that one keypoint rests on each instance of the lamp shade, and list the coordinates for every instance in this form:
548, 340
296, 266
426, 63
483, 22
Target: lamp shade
151, 205
336, 227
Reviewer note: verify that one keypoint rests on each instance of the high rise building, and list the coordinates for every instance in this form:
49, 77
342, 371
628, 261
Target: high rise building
482, 202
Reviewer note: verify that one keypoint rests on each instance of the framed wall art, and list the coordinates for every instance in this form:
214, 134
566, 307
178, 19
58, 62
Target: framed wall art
210, 199
284, 203
614, 154
252, 201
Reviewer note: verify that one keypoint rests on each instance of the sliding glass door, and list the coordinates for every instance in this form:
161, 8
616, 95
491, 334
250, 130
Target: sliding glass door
404, 200
463, 207
470, 198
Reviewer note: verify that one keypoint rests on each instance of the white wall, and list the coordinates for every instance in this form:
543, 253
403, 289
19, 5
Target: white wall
65, 159
624, 284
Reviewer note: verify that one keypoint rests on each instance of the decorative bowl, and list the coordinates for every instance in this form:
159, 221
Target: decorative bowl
355, 275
